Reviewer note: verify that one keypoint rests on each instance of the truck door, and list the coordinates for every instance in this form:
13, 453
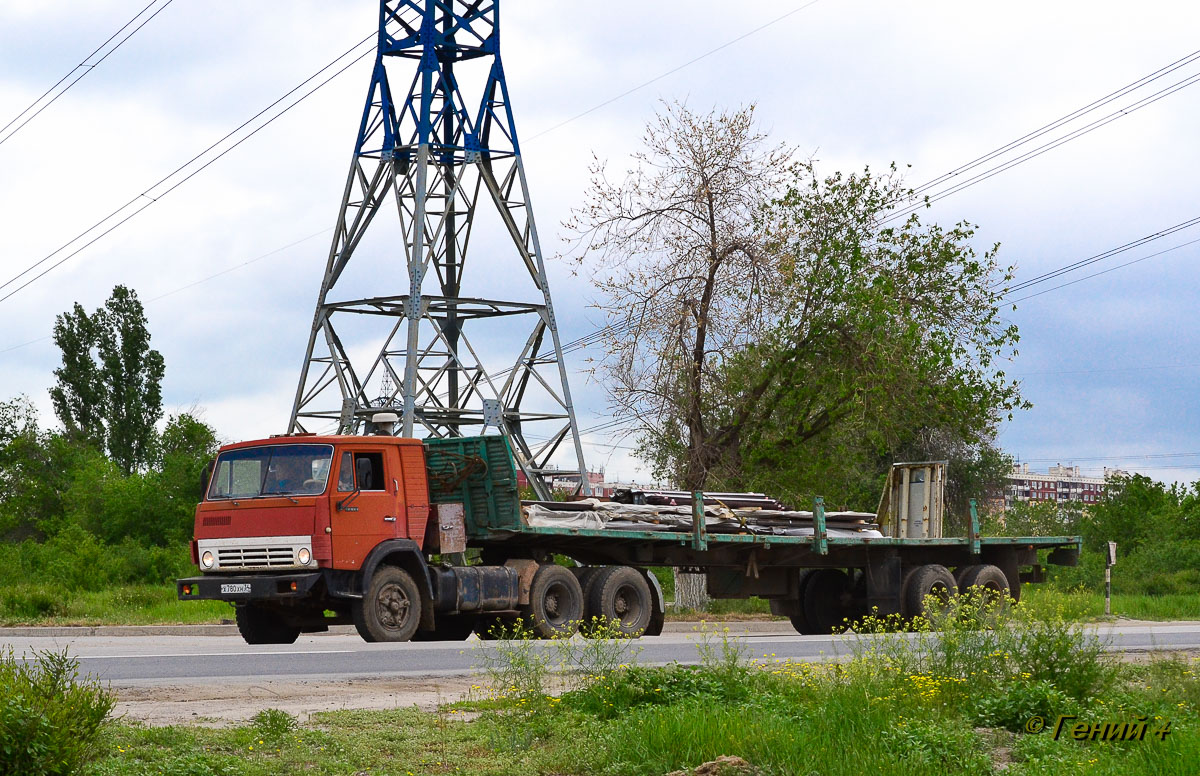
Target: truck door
370, 508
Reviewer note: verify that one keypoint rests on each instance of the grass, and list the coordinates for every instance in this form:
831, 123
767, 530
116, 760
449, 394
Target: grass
958, 704
1090, 605
128, 605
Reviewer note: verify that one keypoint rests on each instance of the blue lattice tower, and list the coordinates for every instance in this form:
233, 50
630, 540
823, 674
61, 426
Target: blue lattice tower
443, 155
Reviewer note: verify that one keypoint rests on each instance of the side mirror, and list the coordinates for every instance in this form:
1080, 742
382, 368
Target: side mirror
342, 504
205, 478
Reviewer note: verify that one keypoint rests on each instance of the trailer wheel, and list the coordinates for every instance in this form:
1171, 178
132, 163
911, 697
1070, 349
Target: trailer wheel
555, 602
619, 597
448, 627
260, 625
793, 608
923, 581
826, 600
391, 608
988, 578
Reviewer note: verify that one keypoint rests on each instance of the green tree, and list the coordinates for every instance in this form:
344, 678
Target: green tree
770, 329
882, 332
108, 388
677, 251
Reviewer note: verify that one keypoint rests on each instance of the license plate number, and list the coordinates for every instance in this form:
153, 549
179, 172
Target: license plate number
235, 588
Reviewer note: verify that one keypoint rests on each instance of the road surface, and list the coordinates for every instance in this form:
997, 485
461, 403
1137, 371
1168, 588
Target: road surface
187, 659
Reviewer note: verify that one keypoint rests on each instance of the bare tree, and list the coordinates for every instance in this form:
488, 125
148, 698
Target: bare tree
678, 251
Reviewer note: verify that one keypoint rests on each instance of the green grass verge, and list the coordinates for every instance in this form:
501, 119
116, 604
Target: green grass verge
958, 700
129, 605
784, 719
1090, 605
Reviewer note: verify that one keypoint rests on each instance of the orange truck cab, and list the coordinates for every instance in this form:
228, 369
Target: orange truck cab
303, 531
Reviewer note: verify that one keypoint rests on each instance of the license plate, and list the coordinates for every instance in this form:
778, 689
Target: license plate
235, 588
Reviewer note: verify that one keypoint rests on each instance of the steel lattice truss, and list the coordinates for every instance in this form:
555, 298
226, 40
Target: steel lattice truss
439, 159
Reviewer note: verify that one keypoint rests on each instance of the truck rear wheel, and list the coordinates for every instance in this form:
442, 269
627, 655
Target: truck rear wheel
555, 603
922, 582
619, 597
259, 625
391, 608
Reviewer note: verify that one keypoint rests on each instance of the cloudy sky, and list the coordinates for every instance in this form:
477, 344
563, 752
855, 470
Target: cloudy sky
229, 263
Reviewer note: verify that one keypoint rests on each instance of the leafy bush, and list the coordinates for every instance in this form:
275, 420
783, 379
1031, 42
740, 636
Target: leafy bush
273, 725
27, 603
1014, 703
50, 719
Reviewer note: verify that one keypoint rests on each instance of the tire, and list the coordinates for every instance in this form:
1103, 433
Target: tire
619, 596
985, 576
449, 627
555, 603
826, 600
259, 625
793, 609
585, 576
391, 608
922, 581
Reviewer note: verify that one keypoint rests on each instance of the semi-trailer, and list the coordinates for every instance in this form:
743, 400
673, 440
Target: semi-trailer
429, 539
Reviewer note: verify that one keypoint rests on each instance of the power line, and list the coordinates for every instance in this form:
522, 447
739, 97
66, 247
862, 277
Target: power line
82, 65
1046, 276
1111, 369
1138, 457
1110, 269
1061, 121
149, 195
676, 69
1044, 148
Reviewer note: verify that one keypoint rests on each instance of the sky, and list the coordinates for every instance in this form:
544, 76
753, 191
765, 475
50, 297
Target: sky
1109, 362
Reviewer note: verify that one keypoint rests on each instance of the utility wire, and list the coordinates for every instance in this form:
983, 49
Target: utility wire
150, 197
1106, 271
1052, 274
1063, 120
674, 70
84, 66
1042, 149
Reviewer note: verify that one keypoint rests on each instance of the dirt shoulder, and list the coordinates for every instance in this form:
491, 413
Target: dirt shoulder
229, 704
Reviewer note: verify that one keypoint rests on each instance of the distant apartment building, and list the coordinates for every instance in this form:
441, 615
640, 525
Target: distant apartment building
569, 481
1060, 484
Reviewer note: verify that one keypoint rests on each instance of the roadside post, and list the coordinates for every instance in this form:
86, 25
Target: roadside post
1110, 560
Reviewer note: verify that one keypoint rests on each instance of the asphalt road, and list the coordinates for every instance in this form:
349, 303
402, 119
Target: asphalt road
213, 660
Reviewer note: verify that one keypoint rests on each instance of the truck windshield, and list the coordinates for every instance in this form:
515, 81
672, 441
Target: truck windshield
273, 470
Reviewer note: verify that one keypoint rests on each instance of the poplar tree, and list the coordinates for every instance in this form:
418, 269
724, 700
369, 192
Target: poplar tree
108, 390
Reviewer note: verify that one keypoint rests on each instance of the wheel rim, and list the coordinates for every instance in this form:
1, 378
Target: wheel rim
627, 605
393, 606
552, 604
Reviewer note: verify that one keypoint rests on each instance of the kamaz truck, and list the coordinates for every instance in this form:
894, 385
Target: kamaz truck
429, 539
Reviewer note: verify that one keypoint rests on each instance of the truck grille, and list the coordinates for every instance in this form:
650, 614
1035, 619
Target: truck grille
248, 553
255, 557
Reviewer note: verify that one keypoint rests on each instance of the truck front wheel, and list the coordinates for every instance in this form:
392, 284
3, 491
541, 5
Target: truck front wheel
259, 625
391, 608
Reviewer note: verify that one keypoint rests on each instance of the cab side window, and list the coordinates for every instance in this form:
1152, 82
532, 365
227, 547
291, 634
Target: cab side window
361, 471
346, 473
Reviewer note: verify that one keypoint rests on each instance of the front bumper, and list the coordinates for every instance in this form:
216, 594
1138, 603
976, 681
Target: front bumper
247, 587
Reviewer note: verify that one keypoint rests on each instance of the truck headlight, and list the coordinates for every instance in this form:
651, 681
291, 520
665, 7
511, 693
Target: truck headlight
304, 556
207, 560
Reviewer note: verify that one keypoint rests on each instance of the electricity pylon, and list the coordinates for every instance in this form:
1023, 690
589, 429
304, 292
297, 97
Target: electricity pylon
444, 162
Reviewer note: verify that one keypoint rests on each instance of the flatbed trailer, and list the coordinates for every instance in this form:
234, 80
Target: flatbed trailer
411, 578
